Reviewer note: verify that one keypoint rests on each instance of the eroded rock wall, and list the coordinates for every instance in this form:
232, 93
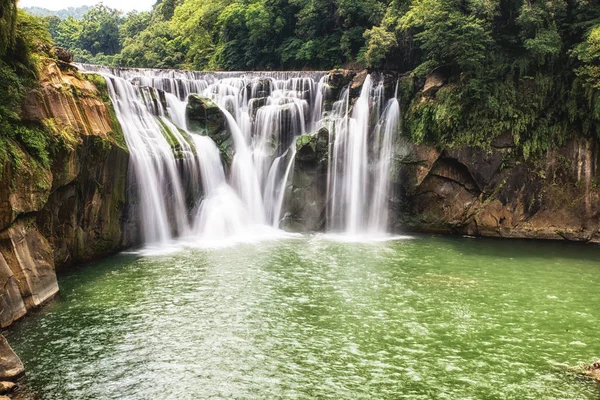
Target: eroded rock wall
497, 193
71, 211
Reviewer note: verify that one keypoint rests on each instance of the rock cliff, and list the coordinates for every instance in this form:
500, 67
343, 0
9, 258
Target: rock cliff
496, 193
69, 211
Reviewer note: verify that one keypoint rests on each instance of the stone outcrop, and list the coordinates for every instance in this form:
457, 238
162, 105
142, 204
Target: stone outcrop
204, 117
69, 211
496, 193
63, 55
7, 387
30, 259
434, 82
11, 367
306, 197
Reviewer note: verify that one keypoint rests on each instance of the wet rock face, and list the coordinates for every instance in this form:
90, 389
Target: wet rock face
204, 117
68, 212
312, 148
255, 104
337, 80
84, 219
307, 194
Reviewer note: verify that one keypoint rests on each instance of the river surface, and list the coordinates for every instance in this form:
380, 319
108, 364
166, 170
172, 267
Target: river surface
315, 318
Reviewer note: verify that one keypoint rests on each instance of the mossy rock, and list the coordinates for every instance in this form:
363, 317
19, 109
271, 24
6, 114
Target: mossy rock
255, 104
206, 118
313, 147
337, 80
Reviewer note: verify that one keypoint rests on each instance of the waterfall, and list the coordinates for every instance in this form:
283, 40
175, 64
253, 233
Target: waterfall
358, 174
162, 203
184, 188
221, 214
383, 148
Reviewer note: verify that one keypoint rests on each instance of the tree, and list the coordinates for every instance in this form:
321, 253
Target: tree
100, 31
133, 24
68, 32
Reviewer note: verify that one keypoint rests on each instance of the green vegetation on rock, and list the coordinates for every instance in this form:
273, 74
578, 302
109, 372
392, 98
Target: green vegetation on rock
23, 40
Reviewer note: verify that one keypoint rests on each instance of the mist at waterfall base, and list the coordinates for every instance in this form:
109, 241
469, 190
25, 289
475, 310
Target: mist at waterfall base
194, 198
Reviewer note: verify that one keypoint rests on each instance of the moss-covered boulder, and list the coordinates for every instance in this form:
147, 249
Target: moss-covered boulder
307, 200
312, 148
204, 117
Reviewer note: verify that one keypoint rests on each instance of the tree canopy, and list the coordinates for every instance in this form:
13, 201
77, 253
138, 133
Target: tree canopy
530, 68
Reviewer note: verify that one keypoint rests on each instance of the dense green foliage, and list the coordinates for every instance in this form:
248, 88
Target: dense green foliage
23, 39
528, 68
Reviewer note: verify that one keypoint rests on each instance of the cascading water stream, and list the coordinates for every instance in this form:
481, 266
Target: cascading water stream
184, 188
158, 185
359, 174
384, 148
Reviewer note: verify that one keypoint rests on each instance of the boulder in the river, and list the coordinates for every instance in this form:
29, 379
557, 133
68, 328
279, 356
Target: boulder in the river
7, 387
593, 371
11, 367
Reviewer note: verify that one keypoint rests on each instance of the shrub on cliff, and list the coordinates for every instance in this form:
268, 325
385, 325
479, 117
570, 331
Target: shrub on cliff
26, 40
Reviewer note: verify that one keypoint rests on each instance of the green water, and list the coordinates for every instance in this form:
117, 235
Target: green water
310, 318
